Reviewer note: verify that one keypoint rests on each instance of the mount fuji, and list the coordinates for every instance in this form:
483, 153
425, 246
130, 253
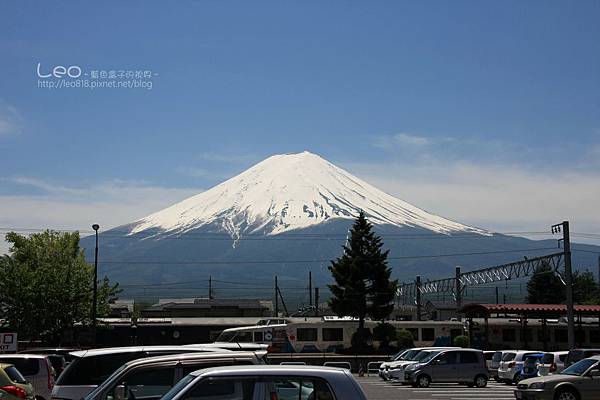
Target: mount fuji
285, 216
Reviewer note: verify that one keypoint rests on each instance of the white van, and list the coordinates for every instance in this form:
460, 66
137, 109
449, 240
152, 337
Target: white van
89, 368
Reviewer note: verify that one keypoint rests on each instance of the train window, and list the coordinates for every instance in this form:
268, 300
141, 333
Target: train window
333, 334
414, 332
258, 337
595, 336
560, 336
306, 334
527, 335
509, 335
427, 334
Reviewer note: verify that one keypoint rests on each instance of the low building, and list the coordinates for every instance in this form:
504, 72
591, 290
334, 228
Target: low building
204, 307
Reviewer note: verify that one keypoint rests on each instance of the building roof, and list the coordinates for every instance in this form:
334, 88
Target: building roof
538, 309
179, 304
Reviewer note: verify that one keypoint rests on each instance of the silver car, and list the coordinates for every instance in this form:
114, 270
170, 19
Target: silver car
552, 363
465, 366
150, 378
267, 382
580, 381
511, 365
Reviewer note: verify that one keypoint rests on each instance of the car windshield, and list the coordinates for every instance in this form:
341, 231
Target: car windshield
429, 356
178, 387
412, 354
580, 367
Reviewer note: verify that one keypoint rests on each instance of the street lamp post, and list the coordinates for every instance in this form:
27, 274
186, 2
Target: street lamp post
95, 227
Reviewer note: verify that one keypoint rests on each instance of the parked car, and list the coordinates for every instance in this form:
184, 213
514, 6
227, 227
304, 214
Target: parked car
511, 365
150, 378
396, 371
13, 385
233, 346
529, 369
401, 355
552, 363
61, 351
488, 355
465, 366
268, 382
36, 369
90, 368
580, 381
495, 363
579, 354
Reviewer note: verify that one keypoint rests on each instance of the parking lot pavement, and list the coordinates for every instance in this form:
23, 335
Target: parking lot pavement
377, 389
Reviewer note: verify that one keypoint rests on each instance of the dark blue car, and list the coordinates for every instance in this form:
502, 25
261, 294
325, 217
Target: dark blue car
529, 369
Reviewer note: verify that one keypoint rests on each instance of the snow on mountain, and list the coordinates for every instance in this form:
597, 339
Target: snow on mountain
287, 192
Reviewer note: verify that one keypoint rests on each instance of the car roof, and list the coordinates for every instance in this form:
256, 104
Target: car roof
20, 355
597, 357
270, 370
194, 356
131, 349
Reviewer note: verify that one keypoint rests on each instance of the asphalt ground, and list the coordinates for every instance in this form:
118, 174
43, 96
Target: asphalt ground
377, 389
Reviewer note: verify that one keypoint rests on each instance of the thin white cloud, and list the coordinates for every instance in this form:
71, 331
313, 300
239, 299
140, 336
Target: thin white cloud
109, 204
406, 138
493, 196
11, 121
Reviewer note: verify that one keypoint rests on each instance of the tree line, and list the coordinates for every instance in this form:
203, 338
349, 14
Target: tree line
46, 286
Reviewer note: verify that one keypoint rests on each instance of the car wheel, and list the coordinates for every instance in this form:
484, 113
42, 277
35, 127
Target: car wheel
566, 394
423, 381
480, 381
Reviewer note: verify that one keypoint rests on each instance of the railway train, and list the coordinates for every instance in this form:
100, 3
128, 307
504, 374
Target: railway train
332, 334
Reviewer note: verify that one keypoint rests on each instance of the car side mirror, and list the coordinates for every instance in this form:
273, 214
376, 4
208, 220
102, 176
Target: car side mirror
595, 373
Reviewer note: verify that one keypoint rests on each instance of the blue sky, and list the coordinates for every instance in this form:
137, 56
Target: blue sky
487, 112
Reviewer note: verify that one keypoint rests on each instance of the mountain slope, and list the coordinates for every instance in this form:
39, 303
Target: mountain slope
287, 192
285, 216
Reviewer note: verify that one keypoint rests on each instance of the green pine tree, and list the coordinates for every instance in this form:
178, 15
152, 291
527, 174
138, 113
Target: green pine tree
363, 287
585, 288
545, 287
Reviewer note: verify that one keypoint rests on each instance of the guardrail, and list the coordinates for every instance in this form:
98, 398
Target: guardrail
338, 364
373, 366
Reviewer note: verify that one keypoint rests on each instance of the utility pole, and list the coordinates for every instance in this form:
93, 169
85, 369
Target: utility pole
568, 279
310, 288
598, 270
210, 295
95, 227
418, 296
496, 294
458, 289
316, 302
276, 298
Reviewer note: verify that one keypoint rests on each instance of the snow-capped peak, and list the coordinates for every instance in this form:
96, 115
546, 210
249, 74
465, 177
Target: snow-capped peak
287, 192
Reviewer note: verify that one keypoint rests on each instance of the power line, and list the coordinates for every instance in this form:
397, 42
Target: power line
237, 262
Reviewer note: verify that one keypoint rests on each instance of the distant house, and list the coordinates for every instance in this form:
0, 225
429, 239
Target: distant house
121, 308
204, 307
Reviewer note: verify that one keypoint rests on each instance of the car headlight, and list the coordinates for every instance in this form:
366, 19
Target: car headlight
536, 385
